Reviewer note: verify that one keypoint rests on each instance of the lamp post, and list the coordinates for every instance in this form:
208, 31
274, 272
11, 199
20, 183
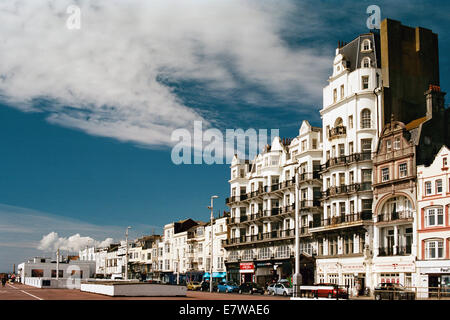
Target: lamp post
297, 275
126, 254
212, 244
57, 264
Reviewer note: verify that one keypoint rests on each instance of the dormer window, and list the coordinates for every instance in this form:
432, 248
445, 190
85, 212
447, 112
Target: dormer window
366, 63
366, 45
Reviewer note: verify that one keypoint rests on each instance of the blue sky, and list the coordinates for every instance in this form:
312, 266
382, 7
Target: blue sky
86, 115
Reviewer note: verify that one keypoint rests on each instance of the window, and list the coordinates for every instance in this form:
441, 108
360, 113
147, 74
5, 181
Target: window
388, 145
434, 249
314, 144
365, 119
341, 148
334, 95
303, 145
350, 122
365, 82
444, 162
434, 217
366, 63
397, 143
366, 145
428, 188
439, 186
385, 174
350, 148
342, 92
403, 170
366, 45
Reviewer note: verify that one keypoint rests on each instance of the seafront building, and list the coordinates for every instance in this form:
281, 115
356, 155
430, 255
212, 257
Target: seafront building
433, 225
260, 247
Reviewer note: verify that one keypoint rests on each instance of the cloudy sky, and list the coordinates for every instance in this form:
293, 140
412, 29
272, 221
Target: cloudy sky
86, 115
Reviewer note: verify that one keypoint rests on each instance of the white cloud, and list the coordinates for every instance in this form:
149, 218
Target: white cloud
74, 243
23, 230
112, 72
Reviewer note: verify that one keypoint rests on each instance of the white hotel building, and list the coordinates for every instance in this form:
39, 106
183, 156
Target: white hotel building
260, 247
352, 120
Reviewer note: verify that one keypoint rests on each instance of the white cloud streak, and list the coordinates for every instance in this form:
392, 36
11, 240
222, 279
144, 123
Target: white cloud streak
109, 78
74, 243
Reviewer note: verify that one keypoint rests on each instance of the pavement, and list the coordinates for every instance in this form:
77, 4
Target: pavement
18, 291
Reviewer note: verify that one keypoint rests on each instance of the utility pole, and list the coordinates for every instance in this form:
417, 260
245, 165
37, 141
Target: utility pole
126, 255
212, 244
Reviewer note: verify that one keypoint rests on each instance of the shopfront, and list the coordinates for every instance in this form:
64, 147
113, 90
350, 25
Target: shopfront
217, 276
395, 272
247, 272
233, 272
434, 279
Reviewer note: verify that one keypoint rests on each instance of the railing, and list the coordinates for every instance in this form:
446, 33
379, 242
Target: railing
276, 234
344, 160
335, 221
344, 189
305, 176
393, 216
389, 251
309, 203
337, 131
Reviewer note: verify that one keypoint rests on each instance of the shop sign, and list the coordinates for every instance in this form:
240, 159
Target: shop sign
247, 266
351, 268
395, 267
264, 264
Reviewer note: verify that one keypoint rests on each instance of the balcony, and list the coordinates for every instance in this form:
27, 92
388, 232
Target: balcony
346, 189
342, 221
346, 160
389, 251
260, 237
337, 132
304, 204
307, 176
395, 216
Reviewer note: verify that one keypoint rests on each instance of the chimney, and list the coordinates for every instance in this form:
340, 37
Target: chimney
435, 100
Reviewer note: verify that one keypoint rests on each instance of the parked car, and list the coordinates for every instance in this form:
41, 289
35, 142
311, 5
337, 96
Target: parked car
270, 288
393, 291
193, 285
331, 290
227, 287
204, 286
282, 288
251, 287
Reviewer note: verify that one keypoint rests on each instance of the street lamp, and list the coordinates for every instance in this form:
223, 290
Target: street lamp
126, 255
212, 244
297, 275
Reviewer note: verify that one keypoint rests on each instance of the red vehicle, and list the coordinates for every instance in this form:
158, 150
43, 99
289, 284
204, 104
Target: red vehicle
325, 290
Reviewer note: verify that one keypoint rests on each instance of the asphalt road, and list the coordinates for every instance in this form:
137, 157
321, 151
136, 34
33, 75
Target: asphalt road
23, 292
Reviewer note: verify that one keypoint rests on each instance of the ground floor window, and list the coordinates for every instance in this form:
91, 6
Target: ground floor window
390, 278
408, 280
349, 280
321, 278
60, 273
39, 273
333, 278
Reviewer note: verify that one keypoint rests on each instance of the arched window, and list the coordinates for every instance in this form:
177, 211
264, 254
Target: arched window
366, 45
365, 63
365, 119
338, 123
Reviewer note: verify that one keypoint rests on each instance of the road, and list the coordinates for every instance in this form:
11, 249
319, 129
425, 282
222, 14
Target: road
23, 292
